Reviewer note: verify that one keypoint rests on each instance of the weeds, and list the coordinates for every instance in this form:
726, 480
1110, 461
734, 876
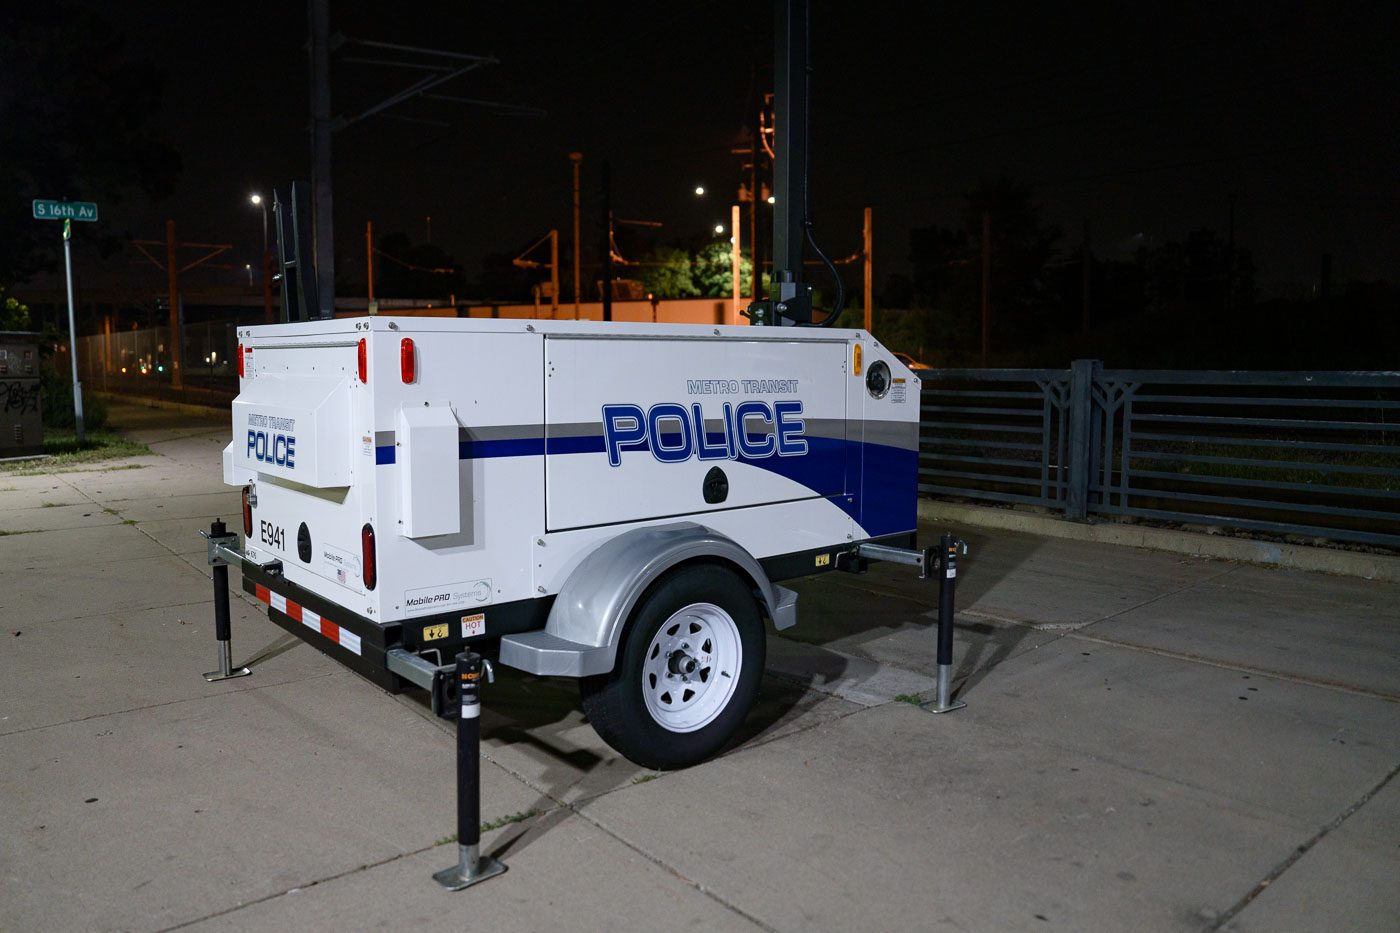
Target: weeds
64, 454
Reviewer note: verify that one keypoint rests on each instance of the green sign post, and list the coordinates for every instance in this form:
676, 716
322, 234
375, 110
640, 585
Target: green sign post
64, 210
69, 211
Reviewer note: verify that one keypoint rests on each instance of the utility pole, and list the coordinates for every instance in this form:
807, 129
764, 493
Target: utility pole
734, 262
554, 274
1088, 263
172, 270
1230, 257
607, 241
986, 287
576, 158
322, 228
869, 273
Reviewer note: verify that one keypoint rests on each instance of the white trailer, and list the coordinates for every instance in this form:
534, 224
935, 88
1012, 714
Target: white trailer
606, 501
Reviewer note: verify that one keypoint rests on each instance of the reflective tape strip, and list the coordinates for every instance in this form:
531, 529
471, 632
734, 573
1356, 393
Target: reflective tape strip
312, 620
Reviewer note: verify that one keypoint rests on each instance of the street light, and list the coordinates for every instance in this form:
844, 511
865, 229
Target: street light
249, 267
719, 228
258, 200
267, 261
699, 190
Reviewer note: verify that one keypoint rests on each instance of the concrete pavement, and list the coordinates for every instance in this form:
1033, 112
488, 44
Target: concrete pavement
1153, 741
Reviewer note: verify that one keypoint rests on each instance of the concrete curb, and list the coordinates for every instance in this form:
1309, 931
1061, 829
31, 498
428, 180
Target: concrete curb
1289, 556
185, 408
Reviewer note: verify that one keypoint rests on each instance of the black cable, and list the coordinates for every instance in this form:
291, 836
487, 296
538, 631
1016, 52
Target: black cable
840, 285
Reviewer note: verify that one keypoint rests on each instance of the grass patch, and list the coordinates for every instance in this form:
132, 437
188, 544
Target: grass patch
520, 817
644, 778
25, 532
63, 454
907, 698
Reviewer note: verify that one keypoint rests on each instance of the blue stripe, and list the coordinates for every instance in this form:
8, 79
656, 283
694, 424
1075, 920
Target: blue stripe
586, 444
504, 447
883, 478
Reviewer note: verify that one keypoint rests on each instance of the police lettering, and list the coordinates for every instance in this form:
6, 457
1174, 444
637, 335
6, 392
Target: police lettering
271, 447
751, 430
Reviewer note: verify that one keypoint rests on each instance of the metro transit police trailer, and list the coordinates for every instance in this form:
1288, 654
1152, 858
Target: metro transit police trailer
607, 501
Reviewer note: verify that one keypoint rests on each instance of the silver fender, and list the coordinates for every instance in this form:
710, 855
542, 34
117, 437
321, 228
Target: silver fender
585, 624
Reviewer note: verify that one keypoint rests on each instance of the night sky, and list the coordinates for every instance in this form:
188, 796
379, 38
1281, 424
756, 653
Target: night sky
1143, 119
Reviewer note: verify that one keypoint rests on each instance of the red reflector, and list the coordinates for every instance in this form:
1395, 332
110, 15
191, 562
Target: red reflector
247, 511
367, 556
364, 363
406, 359
240, 361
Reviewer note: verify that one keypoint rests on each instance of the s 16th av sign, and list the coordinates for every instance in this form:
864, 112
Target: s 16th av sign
64, 210
69, 211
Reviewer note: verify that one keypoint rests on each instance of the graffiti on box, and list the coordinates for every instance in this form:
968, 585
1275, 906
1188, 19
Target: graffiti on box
19, 397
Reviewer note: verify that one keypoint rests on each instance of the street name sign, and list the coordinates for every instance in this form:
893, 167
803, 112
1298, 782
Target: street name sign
64, 210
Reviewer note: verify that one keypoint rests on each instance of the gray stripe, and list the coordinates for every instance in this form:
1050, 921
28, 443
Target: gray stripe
383, 438
901, 434
575, 429
501, 432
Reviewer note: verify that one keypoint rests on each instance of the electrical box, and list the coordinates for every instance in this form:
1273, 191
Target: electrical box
21, 430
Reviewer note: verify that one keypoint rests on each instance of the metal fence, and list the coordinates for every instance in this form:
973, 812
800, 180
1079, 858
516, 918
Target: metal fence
1291, 453
137, 362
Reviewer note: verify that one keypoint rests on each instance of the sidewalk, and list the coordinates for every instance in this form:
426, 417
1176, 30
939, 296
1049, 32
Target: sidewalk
1153, 741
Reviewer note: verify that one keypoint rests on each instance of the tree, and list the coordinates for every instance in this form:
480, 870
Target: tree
13, 315
1022, 246
714, 271
74, 112
668, 272
421, 271
673, 272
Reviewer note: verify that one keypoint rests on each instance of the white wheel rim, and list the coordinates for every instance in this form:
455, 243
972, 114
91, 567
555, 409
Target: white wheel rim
692, 667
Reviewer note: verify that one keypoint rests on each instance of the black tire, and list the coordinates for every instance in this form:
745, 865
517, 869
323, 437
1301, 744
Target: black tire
689, 725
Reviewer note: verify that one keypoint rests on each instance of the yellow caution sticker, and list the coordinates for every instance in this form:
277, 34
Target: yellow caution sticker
434, 632
823, 560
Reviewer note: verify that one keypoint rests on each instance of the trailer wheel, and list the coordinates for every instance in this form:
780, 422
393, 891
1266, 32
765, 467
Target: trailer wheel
687, 671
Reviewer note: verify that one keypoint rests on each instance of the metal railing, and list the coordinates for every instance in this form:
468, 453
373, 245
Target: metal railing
137, 362
1291, 453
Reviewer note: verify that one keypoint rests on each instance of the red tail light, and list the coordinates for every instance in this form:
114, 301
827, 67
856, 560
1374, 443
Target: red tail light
371, 572
407, 363
364, 362
240, 361
247, 500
